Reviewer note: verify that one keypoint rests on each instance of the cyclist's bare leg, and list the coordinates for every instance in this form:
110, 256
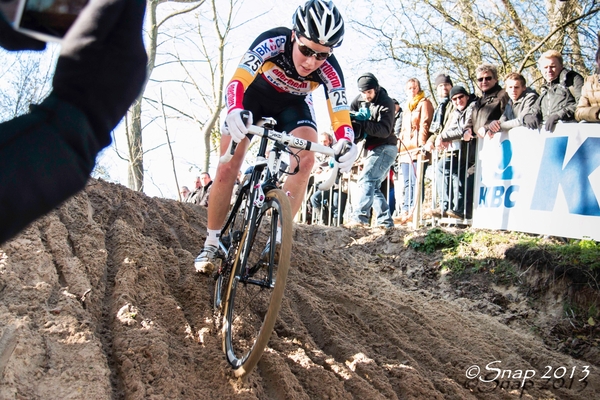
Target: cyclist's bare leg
296, 184
223, 183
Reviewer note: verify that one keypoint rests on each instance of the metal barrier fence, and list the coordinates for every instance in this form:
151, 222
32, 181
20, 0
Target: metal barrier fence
443, 192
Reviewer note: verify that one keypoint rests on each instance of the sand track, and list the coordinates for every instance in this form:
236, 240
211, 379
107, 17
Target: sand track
99, 299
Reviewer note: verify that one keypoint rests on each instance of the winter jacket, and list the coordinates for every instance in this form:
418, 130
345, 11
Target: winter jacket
398, 123
515, 111
460, 120
489, 107
379, 129
589, 102
415, 130
200, 195
560, 96
441, 116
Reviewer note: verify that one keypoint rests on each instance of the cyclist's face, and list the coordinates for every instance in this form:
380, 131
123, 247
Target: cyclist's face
305, 65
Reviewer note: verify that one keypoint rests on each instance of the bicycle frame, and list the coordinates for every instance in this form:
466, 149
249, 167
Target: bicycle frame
265, 175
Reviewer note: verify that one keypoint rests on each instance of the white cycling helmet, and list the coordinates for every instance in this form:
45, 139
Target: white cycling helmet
321, 22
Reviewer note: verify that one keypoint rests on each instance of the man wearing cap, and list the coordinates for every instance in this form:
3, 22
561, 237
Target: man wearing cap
451, 168
372, 114
441, 115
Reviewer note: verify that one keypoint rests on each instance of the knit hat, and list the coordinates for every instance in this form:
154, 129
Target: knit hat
458, 90
367, 81
442, 78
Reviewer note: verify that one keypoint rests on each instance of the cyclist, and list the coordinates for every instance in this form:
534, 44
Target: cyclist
275, 78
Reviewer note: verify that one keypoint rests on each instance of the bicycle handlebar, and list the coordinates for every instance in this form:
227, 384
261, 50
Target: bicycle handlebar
290, 141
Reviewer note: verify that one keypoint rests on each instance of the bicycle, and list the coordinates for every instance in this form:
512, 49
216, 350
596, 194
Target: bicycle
251, 278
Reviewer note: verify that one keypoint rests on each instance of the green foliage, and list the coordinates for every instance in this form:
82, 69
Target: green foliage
580, 253
435, 239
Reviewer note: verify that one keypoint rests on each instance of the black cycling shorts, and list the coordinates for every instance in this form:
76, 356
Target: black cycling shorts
289, 111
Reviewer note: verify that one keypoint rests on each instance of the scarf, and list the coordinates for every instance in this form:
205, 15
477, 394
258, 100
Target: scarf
438, 115
412, 104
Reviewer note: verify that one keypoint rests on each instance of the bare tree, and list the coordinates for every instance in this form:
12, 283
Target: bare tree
134, 116
211, 46
26, 79
440, 36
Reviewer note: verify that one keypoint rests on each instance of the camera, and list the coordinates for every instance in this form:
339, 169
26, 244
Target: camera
47, 20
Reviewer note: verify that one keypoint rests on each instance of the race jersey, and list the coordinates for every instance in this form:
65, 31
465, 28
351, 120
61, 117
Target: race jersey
269, 68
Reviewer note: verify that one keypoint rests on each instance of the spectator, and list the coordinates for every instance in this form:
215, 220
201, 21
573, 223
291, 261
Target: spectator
396, 168
521, 103
372, 114
185, 192
451, 168
416, 121
397, 118
490, 106
202, 191
321, 201
442, 113
588, 108
46, 156
559, 94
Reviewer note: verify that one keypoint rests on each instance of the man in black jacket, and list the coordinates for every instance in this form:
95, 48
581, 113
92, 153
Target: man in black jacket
372, 114
46, 156
559, 94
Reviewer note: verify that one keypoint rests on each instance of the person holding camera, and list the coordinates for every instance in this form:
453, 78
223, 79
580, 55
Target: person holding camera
372, 114
47, 155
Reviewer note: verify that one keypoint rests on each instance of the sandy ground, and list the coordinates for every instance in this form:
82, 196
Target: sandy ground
99, 300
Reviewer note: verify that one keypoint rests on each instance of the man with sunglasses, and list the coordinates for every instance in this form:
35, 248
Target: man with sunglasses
490, 106
275, 78
455, 136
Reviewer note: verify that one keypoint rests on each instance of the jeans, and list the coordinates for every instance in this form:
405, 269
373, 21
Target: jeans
376, 168
320, 202
409, 176
449, 179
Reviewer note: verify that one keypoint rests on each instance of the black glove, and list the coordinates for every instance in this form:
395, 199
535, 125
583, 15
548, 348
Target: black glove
12, 40
102, 64
531, 121
551, 122
359, 131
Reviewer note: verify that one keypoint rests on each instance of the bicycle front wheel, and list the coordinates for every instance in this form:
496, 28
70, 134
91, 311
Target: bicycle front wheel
254, 294
230, 241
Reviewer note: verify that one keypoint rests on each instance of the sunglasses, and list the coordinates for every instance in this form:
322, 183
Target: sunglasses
457, 98
486, 78
308, 52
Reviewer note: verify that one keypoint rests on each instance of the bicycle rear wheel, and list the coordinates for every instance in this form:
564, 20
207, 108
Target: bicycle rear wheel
254, 294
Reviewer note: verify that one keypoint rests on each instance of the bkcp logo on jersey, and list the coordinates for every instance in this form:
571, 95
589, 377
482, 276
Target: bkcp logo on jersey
270, 47
574, 175
505, 194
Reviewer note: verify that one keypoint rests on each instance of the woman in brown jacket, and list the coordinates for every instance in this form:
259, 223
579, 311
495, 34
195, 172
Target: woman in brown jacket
588, 108
416, 120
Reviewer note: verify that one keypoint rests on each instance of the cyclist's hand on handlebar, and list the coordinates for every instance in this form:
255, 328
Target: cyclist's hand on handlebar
237, 122
345, 154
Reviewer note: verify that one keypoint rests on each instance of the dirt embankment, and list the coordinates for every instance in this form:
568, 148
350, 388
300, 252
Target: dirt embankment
100, 300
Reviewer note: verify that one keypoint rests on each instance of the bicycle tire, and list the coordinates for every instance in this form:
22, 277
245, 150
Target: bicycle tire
250, 310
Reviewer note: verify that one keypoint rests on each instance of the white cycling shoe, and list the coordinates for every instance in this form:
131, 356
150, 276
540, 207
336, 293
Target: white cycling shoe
206, 260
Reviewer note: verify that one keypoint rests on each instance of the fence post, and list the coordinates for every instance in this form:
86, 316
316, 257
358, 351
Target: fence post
416, 217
